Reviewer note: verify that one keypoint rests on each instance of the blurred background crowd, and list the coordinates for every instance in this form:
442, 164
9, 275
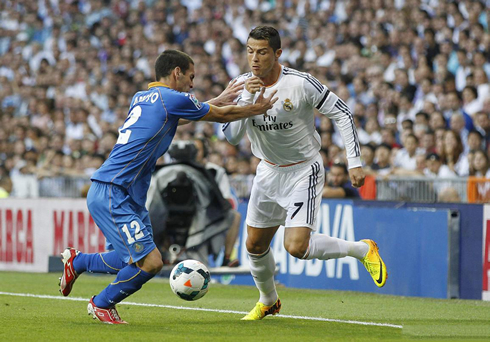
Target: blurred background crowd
415, 73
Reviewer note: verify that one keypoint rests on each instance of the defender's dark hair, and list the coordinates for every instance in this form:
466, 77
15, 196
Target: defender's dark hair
266, 33
169, 60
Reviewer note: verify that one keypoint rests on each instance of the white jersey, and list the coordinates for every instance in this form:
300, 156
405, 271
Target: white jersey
287, 135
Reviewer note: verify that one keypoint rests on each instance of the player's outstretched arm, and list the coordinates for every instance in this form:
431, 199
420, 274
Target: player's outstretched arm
184, 122
233, 113
228, 96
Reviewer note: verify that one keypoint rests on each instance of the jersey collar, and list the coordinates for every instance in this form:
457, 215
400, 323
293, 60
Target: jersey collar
157, 84
278, 79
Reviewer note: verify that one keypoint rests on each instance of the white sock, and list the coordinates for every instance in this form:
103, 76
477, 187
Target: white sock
262, 267
357, 249
325, 247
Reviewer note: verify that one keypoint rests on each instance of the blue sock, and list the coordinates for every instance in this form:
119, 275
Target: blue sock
128, 281
98, 263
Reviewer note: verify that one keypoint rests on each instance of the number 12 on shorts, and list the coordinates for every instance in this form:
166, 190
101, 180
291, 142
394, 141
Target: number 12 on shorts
138, 234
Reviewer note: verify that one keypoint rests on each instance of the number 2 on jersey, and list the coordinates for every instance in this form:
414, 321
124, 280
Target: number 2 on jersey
138, 234
133, 116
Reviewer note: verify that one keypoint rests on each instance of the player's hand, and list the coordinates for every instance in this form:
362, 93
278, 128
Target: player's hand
253, 84
228, 96
357, 177
265, 103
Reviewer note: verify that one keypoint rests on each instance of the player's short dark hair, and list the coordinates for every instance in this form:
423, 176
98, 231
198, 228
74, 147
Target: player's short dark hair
169, 60
266, 33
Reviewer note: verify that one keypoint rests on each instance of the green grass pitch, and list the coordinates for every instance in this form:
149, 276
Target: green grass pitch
37, 318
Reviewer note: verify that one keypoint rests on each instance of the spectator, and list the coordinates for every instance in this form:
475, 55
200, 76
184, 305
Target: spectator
402, 84
449, 195
382, 164
406, 157
453, 107
388, 137
424, 93
367, 153
481, 165
475, 140
481, 83
471, 104
338, 184
435, 167
406, 110
453, 153
435, 55
437, 120
482, 125
5, 183
371, 133
24, 181
428, 142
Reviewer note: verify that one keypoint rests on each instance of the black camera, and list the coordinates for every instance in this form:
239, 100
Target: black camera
183, 151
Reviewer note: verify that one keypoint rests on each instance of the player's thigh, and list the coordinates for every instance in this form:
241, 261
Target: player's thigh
305, 197
263, 209
259, 239
121, 220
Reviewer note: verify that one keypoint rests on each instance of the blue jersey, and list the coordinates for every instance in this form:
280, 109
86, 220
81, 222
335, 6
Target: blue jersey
146, 135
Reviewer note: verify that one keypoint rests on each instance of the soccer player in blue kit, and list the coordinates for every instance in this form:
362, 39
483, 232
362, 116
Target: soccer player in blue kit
117, 196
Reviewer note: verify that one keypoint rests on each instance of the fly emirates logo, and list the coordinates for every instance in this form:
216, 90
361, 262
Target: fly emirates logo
269, 124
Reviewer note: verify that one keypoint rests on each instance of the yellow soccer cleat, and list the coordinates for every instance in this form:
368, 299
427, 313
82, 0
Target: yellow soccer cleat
374, 264
260, 311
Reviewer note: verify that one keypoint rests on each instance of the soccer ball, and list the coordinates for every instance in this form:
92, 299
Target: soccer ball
190, 279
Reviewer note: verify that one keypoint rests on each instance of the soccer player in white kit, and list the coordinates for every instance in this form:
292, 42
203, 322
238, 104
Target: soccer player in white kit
289, 180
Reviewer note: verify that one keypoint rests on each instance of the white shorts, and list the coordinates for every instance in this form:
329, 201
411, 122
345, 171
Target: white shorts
288, 196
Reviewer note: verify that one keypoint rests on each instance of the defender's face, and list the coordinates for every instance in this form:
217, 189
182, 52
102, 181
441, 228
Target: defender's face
185, 81
261, 58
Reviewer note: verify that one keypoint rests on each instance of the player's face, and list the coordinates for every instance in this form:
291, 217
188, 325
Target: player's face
261, 58
185, 81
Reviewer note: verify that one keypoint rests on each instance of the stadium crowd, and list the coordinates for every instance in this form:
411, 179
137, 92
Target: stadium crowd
414, 72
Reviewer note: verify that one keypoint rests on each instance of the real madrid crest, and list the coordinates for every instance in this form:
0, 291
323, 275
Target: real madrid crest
287, 105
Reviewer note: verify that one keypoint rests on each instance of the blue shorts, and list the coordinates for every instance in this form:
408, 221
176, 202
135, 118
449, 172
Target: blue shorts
125, 224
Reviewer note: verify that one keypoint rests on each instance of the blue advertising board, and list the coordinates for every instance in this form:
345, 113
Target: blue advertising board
470, 241
413, 243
